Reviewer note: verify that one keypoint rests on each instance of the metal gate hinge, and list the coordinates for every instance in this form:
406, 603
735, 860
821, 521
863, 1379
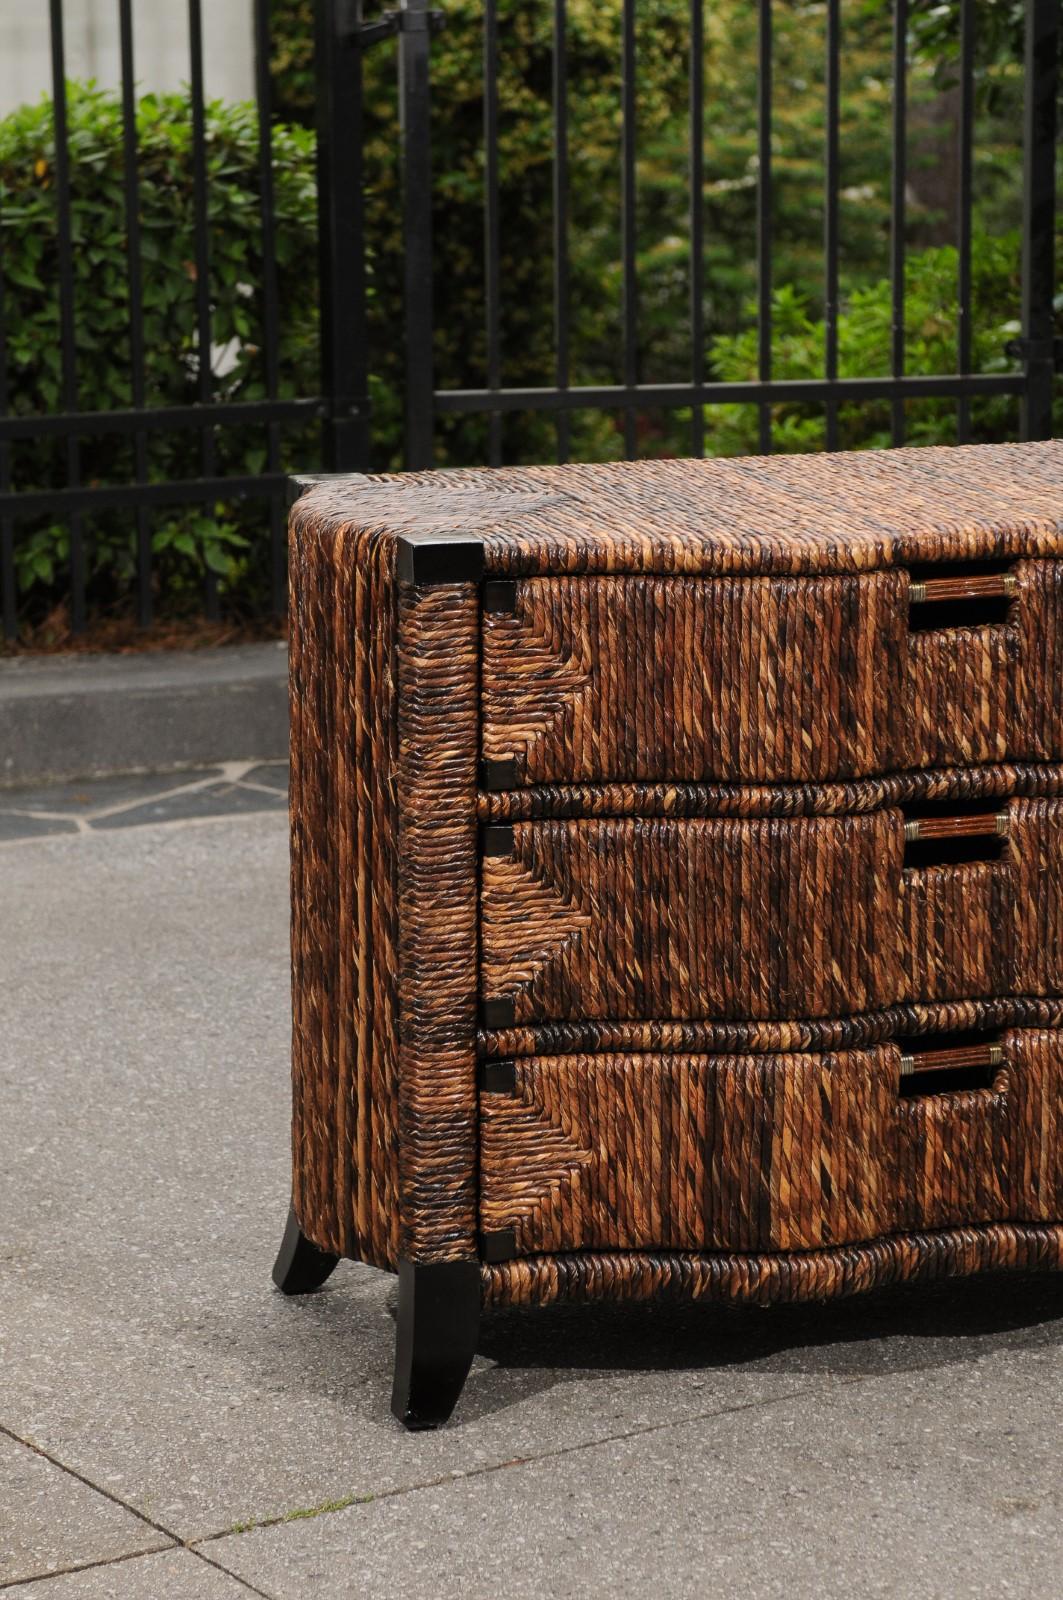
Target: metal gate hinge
1036, 350
352, 30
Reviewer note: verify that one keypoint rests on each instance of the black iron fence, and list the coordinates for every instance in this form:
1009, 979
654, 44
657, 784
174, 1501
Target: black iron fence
47, 466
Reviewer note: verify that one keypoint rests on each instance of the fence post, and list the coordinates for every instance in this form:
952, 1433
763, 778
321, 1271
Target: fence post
341, 234
1038, 215
415, 21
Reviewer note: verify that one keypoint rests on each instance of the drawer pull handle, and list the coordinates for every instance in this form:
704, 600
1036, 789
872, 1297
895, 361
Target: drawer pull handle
979, 826
983, 586
955, 1060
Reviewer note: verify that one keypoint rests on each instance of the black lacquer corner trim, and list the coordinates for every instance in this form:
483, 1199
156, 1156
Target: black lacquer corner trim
500, 597
301, 483
497, 840
440, 558
498, 1077
500, 1012
500, 1245
497, 775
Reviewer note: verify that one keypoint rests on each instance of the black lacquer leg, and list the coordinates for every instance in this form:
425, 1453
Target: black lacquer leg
439, 1321
300, 1266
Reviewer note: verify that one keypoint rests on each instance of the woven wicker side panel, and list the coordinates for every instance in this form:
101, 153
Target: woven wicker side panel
753, 679
689, 1152
343, 827
740, 919
778, 1278
438, 725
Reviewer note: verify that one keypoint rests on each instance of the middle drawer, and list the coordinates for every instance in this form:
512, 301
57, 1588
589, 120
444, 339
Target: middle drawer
760, 918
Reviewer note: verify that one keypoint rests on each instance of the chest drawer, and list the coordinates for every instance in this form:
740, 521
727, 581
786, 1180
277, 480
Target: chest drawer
588, 680
760, 918
770, 1152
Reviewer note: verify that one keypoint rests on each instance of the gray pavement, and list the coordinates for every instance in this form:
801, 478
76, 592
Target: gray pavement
171, 1426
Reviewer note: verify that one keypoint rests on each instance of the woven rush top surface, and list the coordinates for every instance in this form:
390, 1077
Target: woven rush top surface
847, 512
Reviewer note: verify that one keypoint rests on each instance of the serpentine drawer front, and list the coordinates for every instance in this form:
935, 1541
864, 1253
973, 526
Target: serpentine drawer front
764, 1152
677, 882
773, 917
765, 680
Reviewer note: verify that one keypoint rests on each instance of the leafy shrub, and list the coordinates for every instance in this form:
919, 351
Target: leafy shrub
225, 540
864, 349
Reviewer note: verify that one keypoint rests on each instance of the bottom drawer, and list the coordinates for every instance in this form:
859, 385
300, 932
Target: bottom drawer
762, 1152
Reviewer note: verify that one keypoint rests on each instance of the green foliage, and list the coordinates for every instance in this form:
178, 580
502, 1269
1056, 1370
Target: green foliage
864, 349
188, 542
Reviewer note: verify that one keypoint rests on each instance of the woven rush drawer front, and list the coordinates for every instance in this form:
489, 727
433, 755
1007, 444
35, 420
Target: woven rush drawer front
737, 918
776, 1152
762, 679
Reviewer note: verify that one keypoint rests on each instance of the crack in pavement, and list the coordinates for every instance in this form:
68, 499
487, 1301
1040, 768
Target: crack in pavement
175, 1541
194, 1546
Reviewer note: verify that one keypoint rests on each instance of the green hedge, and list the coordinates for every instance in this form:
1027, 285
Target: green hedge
226, 539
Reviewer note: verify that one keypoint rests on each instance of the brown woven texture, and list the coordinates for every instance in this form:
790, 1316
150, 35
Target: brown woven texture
344, 827
768, 1152
770, 1279
437, 914
759, 800
906, 1022
723, 705
767, 918
849, 512
384, 730
764, 679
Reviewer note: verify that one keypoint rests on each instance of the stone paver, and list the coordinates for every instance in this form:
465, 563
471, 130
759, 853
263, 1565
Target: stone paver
885, 1487
132, 801
174, 1575
48, 1520
144, 1084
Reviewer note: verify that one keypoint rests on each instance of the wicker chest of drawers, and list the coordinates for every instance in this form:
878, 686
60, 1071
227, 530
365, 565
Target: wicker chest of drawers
677, 882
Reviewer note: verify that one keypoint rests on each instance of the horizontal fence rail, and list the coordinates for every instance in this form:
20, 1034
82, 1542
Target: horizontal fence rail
47, 473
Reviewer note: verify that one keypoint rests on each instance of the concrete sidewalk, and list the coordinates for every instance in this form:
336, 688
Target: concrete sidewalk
170, 1426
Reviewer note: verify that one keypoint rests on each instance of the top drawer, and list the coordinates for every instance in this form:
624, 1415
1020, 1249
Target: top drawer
759, 680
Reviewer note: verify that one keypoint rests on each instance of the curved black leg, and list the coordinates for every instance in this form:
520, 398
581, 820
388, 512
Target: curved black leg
300, 1266
439, 1320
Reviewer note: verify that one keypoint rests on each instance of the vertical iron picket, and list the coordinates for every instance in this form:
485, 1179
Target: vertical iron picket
270, 306
341, 234
1039, 201
8, 581
831, 184
965, 202
67, 333
898, 189
491, 236
697, 222
134, 271
560, 192
628, 223
201, 259
414, 93
764, 210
